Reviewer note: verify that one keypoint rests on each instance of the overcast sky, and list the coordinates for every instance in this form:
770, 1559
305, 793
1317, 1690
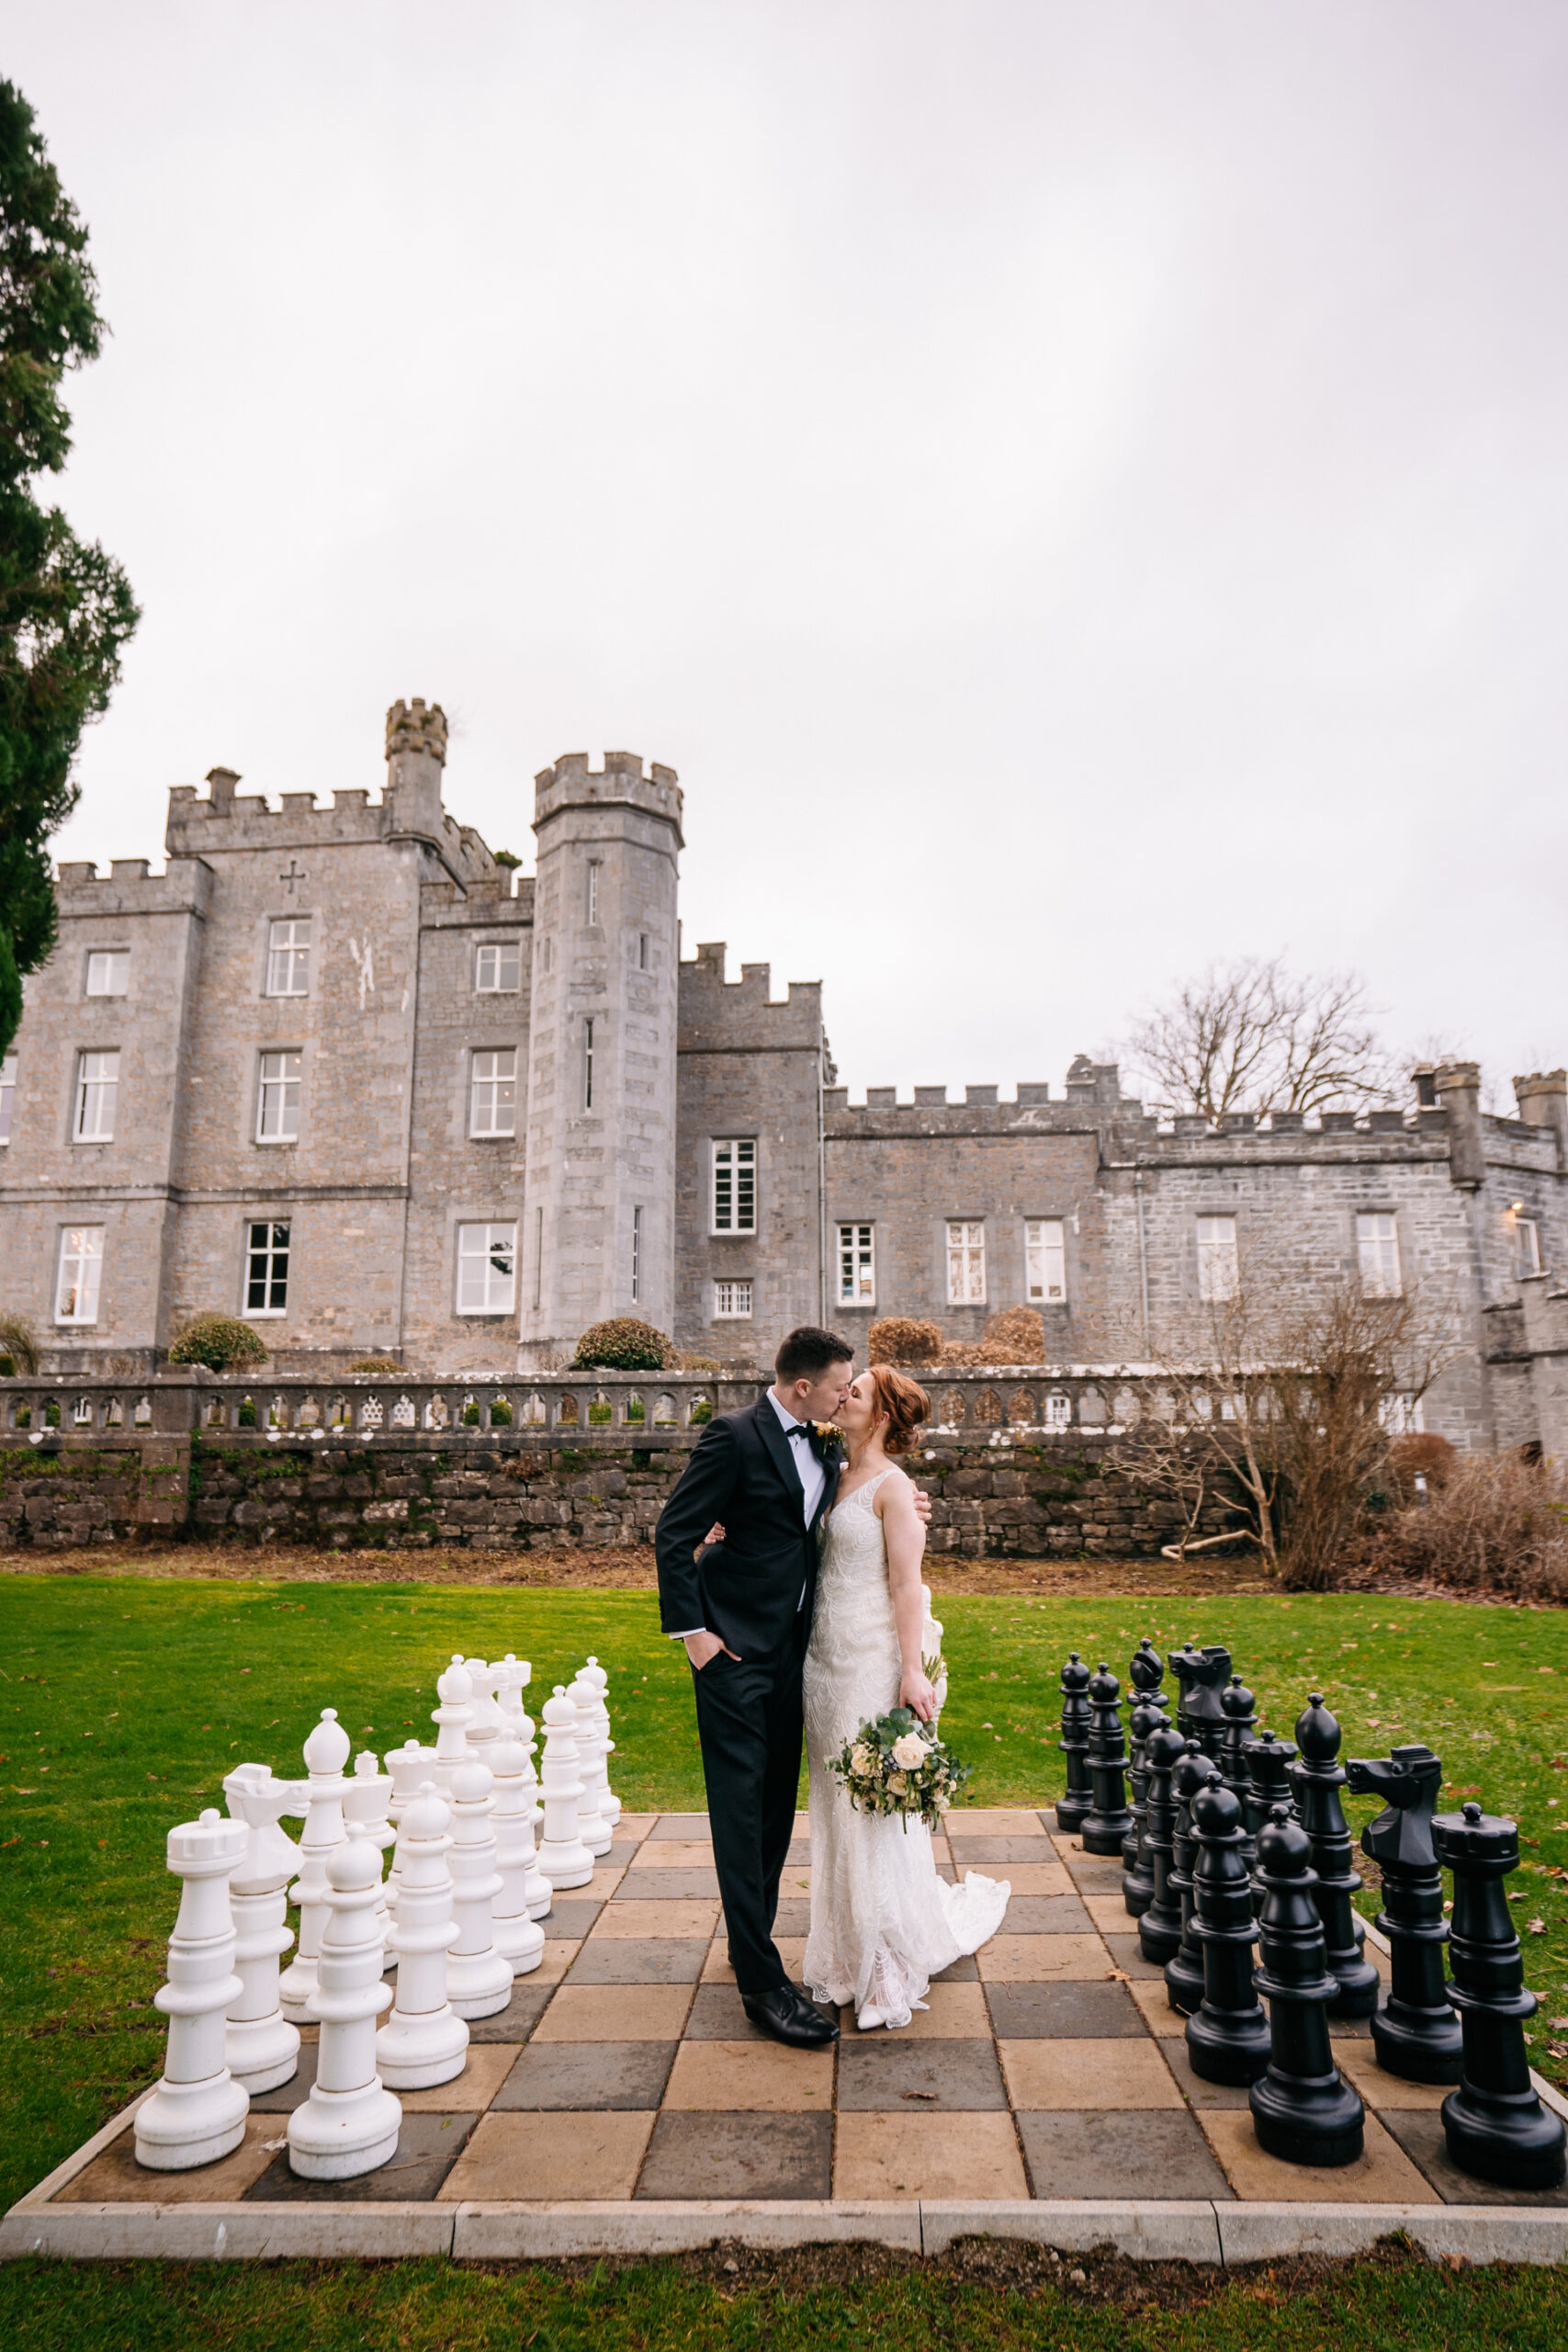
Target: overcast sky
1075, 491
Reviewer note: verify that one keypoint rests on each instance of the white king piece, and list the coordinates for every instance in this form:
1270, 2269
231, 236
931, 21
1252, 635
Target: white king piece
198, 2112
261, 2047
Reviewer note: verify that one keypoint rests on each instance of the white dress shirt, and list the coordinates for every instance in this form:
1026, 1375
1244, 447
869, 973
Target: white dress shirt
808, 1469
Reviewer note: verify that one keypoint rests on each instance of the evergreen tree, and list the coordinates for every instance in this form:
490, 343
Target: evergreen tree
65, 608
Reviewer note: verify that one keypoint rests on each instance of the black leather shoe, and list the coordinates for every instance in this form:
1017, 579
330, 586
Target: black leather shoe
789, 2017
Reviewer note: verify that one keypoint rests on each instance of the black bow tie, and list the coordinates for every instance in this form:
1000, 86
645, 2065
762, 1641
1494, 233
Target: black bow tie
800, 1430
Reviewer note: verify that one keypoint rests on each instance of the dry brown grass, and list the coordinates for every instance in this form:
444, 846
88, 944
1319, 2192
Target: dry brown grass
1495, 1524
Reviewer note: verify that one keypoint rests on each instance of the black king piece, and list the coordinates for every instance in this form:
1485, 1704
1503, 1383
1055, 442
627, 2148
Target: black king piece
1416, 2033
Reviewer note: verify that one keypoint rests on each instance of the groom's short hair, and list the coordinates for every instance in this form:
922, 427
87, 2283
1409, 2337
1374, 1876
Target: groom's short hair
806, 1354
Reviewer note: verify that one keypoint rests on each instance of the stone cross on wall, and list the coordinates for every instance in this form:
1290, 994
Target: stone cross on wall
293, 873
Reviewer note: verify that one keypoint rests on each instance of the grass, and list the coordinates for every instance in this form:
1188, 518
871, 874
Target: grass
123, 1701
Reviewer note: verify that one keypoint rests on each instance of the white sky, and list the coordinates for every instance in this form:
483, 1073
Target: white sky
1075, 491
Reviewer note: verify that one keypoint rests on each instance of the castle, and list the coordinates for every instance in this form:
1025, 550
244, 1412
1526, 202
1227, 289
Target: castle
343, 1071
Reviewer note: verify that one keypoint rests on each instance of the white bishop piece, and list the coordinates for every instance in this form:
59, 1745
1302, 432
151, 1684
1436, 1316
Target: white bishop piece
365, 1798
518, 1937
423, 2042
261, 2047
326, 1753
479, 1981
591, 1825
197, 2111
350, 2123
564, 1860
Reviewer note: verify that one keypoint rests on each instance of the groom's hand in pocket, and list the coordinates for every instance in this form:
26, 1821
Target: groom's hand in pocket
703, 1648
922, 1506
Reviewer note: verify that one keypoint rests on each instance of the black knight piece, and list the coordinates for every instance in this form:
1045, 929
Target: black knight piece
1202, 1674
1137, 1874
1159, 1927
1227, 2036
1184, 1969
1494, 2123
1302, 2109
1416, 2032
1106, 1823
1318, 1779
1072, 1805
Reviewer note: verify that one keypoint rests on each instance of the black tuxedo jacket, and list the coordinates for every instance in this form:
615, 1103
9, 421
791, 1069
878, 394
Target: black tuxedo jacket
748, 1588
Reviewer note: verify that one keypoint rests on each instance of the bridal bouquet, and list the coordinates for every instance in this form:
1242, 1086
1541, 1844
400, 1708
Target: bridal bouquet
897, 1764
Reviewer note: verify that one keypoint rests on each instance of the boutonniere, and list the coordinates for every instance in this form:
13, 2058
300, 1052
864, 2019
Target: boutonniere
827, 1441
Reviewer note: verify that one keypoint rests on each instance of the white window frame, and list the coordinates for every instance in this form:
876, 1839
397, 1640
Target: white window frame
278, 1090
636, 1255
492, 1091
1401, 1414
7, 1097
97, 1095
110, 967
1377, 1251
594, 866
857, 1265
271, 1256
1044, 1261
79, 1274
487, 1267
492, 964
967, 1262
732, 1295
588, 1064
1219, 1264
289, 955
1527, 1234
732, 1190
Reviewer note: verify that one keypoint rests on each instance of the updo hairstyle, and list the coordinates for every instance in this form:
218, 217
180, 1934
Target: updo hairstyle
903, 1400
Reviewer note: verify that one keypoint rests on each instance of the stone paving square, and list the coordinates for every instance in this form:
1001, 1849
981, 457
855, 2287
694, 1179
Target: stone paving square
509, 2157
886, 2070
114, 2177
716, 2016
1166, 2023
1199, 2094
1062, 2012
1127, 1953
617, 1959
689, 1826
1024, 1878
587, 2074
288, 2096
605, 2013
883, 2155
428, 2146
673, 1854
751, 2076
1381, 2175
1356, 2060
1009, 1959
793, 1916
1047, 1914
739, 2156
571, 1915
485, 2070
951, 2011
791, 1951
667, 1886
1420, 2133
1102, 2076
982, 1853
694, 1917
1125, 2154
531, 1996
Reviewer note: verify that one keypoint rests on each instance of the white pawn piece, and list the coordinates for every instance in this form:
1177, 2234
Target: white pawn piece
350, 2123
326, 1753
517, 1938
479, 1981
365, 1800
423, 2042
198, 2112
409, 1766
488, 1722
609, 1802
261, 2048
564, 1860
591, 1825
455, 1690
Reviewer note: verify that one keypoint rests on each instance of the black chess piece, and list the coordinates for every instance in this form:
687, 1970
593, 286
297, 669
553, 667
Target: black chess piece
1144, 1676
1106, 1823
1317, 1778
1269, 1762
1074, 1804
1137, 1877
1494, 2123
1159, 1927
1416, 2033
1227, 2035
1239, 1709
1202, 1674
1302, 2109
1184, 1969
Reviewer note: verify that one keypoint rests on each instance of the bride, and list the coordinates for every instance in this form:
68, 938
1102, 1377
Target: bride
883, 1923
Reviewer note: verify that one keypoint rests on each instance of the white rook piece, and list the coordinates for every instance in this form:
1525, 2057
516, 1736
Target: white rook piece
261, 2047
479, 1981
517, 1938
198, 2112
564, 1860
513, 1678
424, 2041
609, 1802
365, 1798
455, 1690
326, 1753
591, 1826
350, 2123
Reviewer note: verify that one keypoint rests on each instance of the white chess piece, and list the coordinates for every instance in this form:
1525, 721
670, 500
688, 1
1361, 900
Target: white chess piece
518, 1939
609, 1802
326, 1753
479, 1981
455, 1690
423, 2042
516, 1674
409, 1766
365, 1800
564, 1860
591, 1825
350, 2123
260, 2047
197, 2111
488, 1722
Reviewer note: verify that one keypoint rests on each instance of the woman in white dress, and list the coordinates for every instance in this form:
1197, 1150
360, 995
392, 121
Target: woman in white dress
883, 1923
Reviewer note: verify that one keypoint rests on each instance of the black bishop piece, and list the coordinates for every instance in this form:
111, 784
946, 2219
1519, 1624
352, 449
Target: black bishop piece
1318, 1779
1159, 1927
1184, 1969
1416, 2033
1227, 2035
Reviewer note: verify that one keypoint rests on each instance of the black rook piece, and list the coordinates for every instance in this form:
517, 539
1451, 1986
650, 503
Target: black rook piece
1106, 1822
1073, 1745
1159, 1927
1184, 1970
1269, 1762
1318, 1778
1496, 2125
1416, 2033
1302, 2109
1227, 2038
1144, 1677
1137, 1874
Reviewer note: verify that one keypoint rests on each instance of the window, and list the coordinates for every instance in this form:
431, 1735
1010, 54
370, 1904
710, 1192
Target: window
266, 1269
288, 957
636, 1255
81, 1266
1527, 1232
966, 1263
538, 1256
277, 1110
97, 1083
499, 970
731, 1302
108, 972
857, 1265
588, 1065
7, 1095
734, 1186
642, 951
547, 959
1400, 1415
1377, 1242
1045, 1259
493, 1092
487, 1269
594, 889
1217, 1270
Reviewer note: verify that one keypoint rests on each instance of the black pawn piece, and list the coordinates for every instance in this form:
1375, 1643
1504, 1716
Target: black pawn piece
1496, 2125
1237, 1706
1318, 1779
1106, 1822
1143, 1675
1227, 2037
1072, 1806
1302, 2109
1184, 1969
1159, 1927
1416, 2033
1137, 1874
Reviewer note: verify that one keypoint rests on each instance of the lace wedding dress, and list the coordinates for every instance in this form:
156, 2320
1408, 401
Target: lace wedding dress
883, 1923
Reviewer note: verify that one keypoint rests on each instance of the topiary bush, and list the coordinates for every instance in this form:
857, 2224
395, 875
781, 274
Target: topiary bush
19, 1340
368, 1364
499, 1413
623, 1344
1016, 1335
220, 1341
903, 1339
247, 1414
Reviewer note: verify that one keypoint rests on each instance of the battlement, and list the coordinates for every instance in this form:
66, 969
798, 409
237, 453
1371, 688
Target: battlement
571, 783
717, 1014
227, 823
130, 887
413, 727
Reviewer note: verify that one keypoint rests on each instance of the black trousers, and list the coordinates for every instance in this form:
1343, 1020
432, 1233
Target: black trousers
751, 1726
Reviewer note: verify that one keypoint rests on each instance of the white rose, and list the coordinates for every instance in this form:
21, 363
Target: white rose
897, 1784
942, 1802
909, 1752
861, 1760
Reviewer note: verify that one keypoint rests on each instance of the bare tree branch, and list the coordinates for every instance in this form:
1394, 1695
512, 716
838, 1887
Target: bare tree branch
1250, 1036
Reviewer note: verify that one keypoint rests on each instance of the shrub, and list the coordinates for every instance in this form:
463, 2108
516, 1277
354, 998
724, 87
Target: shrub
24, 1416
7, 1367
471, 1416
499, 1413
247, 1414
903, 1339
51, 1415
368, 1364
19, 1340
220, 1341
680, 1361
623, 1344
1421, 1454
701, 1411
599, 1414
1016, 1335
1498, 1525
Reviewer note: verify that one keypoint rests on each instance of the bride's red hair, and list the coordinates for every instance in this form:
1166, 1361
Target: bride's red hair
903, 1400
